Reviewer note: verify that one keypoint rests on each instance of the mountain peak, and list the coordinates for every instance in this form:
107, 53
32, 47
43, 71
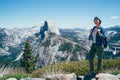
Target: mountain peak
49, 27
52, 27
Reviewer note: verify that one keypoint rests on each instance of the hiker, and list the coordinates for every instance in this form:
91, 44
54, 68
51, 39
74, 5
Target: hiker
98, 37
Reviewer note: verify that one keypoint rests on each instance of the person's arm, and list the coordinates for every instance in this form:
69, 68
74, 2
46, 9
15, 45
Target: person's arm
90, 35
102, 33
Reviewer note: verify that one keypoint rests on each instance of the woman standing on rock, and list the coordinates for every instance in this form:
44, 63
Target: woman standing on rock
97, 35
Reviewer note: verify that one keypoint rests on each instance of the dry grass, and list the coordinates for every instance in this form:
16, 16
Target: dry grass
4, 70
77, 67
51, 71
11, 72
48, 71
9, 69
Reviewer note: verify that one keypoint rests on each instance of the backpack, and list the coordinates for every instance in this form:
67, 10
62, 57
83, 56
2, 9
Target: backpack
105, 43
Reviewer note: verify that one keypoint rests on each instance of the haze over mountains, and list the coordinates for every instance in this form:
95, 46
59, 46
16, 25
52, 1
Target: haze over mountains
51, 44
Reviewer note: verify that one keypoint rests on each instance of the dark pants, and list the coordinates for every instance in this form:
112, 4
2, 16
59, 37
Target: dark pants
95, 50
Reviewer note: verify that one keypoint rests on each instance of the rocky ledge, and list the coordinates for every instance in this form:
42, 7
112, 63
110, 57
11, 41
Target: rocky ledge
101, 76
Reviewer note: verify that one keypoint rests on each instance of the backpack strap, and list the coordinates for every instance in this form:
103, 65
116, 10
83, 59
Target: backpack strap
93, 28
101, 30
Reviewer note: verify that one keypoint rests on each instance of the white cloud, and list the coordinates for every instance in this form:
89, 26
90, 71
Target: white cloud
114, 17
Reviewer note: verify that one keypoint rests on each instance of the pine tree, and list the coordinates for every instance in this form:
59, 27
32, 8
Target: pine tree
28, 61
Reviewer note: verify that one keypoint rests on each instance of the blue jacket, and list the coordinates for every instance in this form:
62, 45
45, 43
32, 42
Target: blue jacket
99, 38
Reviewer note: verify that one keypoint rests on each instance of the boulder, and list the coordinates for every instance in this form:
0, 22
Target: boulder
62, 77
104, 76
11, 79
118, 76
32, 78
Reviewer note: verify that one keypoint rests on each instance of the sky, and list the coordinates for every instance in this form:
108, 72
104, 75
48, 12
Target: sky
65, 13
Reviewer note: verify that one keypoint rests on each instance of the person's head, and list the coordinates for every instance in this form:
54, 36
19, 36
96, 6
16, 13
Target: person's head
97, 21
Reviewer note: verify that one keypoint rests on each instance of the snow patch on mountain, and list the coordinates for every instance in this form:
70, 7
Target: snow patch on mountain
111, 32
3, 52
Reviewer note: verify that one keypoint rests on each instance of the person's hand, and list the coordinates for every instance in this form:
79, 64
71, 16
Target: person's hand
90, 31
99, 33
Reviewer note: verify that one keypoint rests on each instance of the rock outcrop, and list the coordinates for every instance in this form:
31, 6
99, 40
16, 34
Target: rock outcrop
32, 78
43, 29
118, 76
72, 76
62, 77
104, 76
11, 79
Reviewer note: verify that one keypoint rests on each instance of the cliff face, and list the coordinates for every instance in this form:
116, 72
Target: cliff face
50, 47
43, 29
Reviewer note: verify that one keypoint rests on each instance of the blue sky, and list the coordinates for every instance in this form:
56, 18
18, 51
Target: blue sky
65, 13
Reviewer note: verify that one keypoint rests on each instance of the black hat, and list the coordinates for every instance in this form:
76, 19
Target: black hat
96, 18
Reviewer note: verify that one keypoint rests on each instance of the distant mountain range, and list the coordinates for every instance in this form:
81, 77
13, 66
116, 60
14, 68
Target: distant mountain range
80, 36
51, 44
47, 42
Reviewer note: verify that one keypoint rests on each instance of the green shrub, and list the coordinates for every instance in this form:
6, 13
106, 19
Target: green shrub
115, 72
78, 67
18, 76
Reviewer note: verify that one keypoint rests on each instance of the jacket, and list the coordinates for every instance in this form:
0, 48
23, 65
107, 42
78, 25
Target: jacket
99, 38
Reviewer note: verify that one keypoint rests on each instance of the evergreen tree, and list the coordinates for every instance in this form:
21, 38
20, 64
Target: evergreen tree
28, 61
